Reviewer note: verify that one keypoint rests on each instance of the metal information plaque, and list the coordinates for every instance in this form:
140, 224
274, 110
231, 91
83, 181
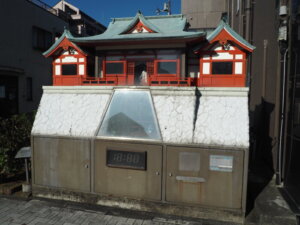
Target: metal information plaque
127, 160
220, 163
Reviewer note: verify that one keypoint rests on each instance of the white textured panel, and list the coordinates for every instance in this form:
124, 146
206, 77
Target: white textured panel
69, 114
57, 70
81, 59
206, 68
81, 69
218, 48
175, 117
222, 55
69, 59
57, 60
206, 57
238, 68
239, 56
222, 121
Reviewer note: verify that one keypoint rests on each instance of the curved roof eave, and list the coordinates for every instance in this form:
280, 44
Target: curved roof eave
223, 25
79, 40
140, 17
66, 34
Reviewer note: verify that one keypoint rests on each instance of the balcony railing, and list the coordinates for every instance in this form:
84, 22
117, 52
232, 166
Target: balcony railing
114, 80
121, 81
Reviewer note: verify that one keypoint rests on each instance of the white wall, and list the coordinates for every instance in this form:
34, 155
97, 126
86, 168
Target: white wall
186, 115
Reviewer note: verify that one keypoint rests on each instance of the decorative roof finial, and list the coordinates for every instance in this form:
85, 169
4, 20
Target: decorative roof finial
139, 12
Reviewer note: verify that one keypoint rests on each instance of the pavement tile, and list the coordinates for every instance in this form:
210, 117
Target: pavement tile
148, 222
37, 212
130, 221
138, 222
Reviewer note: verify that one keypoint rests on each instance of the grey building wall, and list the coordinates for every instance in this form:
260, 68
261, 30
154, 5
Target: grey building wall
203, 13
18, 57
265, 79
257, 22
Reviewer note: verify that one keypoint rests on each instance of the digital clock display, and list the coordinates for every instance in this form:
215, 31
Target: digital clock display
124, 159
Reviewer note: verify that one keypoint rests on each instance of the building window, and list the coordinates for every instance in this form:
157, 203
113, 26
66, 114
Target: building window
169, 68
69, 69
42, 39
29, 88
222, 68
114, 68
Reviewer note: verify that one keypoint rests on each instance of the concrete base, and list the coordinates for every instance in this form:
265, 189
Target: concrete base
271, 209
192, 211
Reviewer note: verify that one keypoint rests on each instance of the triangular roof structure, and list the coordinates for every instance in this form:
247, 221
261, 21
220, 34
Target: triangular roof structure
171, 27
224, 32
163, 27
63, 42
140, 18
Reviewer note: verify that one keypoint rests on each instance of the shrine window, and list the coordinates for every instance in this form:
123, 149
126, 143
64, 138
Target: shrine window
168, 54
167, 67
69, 69
222, 68
114, 68
219, 67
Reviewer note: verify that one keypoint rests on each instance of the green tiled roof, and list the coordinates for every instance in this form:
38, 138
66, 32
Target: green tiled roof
139, 17
223, 25
165, 27
66, 34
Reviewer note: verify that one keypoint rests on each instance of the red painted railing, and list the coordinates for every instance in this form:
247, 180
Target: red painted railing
171, 81
115, 80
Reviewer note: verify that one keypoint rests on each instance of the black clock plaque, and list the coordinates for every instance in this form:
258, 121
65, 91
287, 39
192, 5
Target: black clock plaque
126, 159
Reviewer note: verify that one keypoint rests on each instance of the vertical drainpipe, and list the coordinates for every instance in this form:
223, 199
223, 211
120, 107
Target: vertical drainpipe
228, 11
232, 14
282, 121
248, 20
264, 72
284, 97
288, 76
248, 37
241, 18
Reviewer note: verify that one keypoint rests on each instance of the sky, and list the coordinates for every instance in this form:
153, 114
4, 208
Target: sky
104, 10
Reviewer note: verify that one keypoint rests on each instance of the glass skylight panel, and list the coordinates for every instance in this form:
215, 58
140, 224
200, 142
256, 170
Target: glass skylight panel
130, 115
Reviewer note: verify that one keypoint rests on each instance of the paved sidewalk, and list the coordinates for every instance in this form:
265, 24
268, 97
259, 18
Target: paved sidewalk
42, 212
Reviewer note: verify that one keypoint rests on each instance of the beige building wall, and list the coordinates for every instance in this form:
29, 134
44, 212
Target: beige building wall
18, 57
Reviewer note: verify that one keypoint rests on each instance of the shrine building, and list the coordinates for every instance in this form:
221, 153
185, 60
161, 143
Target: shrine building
152, 51
147, 116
